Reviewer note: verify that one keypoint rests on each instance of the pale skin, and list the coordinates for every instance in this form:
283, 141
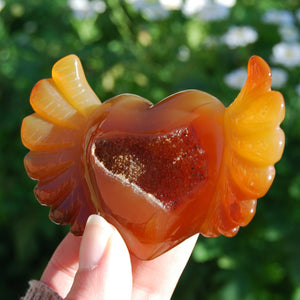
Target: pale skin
99, 266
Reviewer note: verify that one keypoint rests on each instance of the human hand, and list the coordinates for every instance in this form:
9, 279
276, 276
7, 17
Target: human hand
99, 266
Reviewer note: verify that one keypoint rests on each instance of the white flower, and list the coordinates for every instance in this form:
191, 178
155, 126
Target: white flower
171, 4
279, 77
192, 7
240, 36
98, 6
289, 33
213, 12
237, 78
2, 4
151, 10
83, 9
207, 10
286, 54
227, 3
155, 12
278, 17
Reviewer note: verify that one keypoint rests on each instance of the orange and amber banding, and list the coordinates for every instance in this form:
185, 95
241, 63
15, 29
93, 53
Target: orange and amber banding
159, 173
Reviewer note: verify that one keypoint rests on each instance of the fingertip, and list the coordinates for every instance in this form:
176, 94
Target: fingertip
94, 241
95, 219
104, 264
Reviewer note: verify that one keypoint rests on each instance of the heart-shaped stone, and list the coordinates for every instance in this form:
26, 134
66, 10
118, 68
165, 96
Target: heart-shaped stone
158, 173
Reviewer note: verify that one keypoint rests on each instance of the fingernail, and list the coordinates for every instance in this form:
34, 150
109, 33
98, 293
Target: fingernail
96, 235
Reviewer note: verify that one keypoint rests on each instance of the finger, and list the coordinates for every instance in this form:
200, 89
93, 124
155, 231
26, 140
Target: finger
157, 278
62, 267
104, 264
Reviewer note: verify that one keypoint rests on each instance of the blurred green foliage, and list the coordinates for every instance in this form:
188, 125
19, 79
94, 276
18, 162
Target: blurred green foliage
122, 51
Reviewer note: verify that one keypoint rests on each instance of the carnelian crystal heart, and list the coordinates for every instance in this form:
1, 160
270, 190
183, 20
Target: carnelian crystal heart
159, 173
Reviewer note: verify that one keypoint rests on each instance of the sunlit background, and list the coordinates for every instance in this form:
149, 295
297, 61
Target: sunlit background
155, 48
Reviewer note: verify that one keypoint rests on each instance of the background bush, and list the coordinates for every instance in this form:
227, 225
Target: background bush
124, 48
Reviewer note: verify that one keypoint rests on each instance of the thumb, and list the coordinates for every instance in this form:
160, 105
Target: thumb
104, 264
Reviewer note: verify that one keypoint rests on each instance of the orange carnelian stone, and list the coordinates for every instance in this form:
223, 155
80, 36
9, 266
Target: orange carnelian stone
158, 173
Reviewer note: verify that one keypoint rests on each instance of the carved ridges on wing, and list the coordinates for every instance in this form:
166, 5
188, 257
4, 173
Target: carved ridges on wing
69, 78
254, 143
253, 119
64, 107
253, 133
